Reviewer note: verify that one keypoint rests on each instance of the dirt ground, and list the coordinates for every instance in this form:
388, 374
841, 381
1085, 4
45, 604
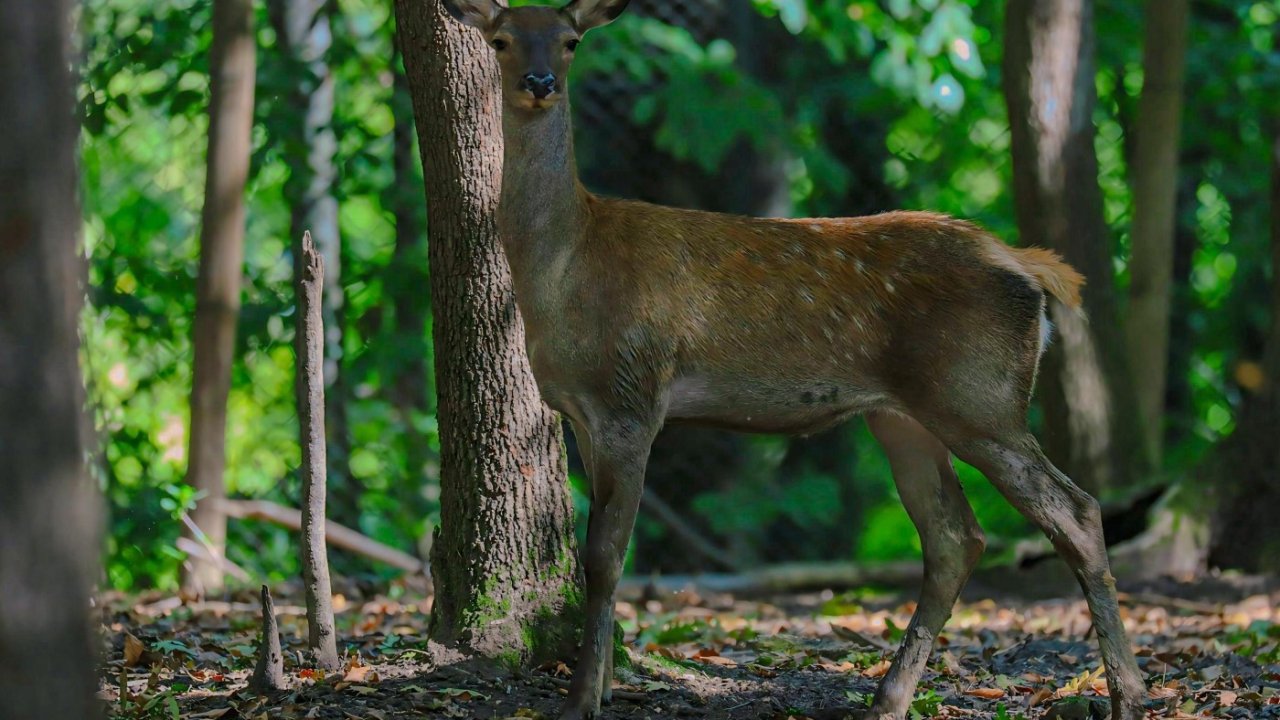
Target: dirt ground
1208, 649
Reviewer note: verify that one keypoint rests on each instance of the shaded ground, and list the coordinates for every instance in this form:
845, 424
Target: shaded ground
800, 656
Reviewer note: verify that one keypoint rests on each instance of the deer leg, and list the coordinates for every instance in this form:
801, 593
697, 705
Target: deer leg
1072, 520
950, 537
618, 455
583, 437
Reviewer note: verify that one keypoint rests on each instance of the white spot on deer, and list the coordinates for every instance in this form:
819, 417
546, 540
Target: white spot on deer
815, 227
840, 254
857, 265
806, 295
888, 286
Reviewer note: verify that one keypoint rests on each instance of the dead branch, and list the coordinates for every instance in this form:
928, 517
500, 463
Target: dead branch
786, 577
692, 538
268, 674
336, 535
309, 346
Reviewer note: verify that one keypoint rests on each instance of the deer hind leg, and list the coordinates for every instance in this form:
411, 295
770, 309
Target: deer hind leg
950, 537
1015, 464
616, 457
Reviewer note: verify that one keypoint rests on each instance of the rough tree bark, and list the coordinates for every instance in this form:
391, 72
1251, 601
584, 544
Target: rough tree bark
232, 63
1243, 475
504, 565
1091, 427
48, 512
1155, 189
309, 349
303, 30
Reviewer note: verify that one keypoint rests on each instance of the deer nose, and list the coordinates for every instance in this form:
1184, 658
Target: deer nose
540, 84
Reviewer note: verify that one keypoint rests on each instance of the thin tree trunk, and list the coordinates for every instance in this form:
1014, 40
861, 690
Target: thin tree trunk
309, 344
304, 30
232, 63
505, 570
1155, 189
49, 520
1243, 475
1091, 429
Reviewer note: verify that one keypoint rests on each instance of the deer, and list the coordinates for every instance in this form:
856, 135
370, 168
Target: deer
638, 315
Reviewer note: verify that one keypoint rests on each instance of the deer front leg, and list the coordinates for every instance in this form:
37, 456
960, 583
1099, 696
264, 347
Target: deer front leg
617, 456
950, 537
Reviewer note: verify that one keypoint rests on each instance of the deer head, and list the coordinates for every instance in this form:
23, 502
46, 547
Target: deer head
535, 44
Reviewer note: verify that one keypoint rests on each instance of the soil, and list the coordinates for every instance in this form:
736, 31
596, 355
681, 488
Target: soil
1208, 649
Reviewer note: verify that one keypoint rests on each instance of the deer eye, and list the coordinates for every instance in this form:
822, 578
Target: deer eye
571, 45
499, 44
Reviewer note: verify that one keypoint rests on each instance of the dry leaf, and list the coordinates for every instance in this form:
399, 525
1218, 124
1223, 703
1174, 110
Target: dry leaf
880, 669
133, 649
986, 693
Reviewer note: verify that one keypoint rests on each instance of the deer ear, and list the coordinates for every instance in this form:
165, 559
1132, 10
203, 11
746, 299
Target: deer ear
476, 13
587, 14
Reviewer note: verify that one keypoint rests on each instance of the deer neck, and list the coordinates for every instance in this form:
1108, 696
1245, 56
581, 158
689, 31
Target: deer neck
543, 205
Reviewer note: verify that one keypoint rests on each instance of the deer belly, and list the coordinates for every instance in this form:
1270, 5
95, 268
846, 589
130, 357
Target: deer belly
753, 405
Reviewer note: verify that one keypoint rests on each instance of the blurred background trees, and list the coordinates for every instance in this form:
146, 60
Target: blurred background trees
800, 107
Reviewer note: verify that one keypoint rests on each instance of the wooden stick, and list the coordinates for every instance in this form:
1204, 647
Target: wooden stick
309, 347
268, 674
786, 577
336, 535
693, 539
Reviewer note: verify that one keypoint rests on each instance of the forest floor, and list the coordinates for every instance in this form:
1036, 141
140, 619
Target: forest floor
1208, 649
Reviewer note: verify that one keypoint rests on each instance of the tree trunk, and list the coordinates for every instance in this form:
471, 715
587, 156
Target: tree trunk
309, 350
232, 63
1244, 472
302, 27
1155, 189
1090, 429
49, 516
505, 570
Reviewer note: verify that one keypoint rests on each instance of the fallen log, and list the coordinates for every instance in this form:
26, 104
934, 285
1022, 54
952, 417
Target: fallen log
336, 535
782, 578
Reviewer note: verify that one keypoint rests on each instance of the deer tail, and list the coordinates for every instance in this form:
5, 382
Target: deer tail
1052, 274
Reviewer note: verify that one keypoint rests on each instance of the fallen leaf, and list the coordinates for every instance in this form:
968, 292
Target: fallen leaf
986, 693
133, 650
356, 673
880, 669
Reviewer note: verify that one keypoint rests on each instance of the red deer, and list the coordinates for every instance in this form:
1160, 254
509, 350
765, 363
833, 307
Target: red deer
638, 315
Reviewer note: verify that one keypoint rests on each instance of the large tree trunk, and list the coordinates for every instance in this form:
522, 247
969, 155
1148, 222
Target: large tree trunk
1091, 429
48, 511
232, 63
503, 561
1244, 472
302, 27
1155, 189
